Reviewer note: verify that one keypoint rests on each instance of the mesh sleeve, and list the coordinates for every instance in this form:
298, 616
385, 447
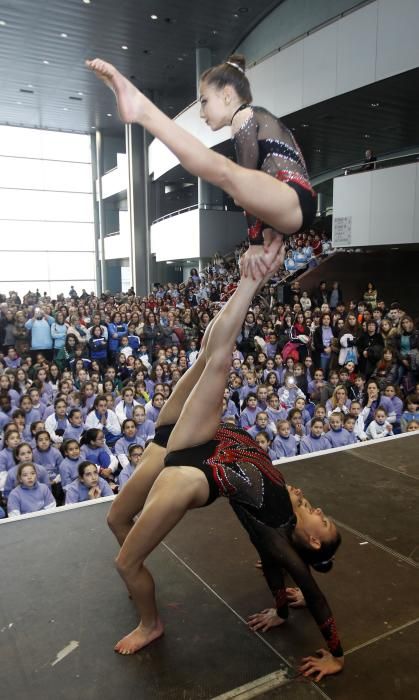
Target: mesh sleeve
277, 554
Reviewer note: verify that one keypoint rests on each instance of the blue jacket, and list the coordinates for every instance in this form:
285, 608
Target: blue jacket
41, 338
120, 329
58, 333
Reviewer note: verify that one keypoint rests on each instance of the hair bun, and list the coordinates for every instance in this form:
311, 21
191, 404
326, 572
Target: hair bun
239, 60
323, 566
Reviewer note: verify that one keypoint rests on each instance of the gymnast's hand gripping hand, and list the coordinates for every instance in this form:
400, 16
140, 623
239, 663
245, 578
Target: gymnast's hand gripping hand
323, 664
261, 261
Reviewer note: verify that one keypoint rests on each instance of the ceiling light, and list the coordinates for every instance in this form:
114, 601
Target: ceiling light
236, 15
154, 17
80, 93
375, 104
29, 86
93, 127
45, 62
87, 2
2, 23
65, 109
180, 58
318, 150
109, 114
305, 125
18, 103
63, 35
367, 136
124, 48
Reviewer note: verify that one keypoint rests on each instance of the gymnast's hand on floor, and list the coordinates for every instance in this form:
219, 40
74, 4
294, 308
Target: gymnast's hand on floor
295, 598
264, 620
324, 664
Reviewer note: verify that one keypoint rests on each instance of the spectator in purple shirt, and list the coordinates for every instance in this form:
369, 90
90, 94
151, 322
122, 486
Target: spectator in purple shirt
88, 486
29, 496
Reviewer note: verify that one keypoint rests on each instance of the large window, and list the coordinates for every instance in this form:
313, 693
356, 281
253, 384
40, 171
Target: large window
46, 211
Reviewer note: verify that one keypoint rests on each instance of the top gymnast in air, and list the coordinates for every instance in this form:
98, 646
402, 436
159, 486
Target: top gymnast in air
269, 180
192, 459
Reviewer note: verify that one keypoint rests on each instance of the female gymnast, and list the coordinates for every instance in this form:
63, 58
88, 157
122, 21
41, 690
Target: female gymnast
269, 180
204, 461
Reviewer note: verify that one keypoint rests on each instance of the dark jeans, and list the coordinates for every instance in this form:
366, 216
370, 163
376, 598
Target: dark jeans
48, 354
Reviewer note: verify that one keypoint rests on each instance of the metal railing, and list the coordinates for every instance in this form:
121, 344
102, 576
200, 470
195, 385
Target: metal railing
382, 162
213, 207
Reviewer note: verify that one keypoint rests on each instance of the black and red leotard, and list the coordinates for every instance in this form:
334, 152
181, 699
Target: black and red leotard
264, 143
236, 467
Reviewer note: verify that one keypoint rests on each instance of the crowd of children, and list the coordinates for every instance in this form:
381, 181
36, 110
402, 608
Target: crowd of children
308, 375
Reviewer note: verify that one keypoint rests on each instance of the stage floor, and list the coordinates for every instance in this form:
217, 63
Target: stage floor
62, 605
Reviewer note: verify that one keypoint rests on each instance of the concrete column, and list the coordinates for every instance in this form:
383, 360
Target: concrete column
99, 173
138, 206
203, 60
95, 175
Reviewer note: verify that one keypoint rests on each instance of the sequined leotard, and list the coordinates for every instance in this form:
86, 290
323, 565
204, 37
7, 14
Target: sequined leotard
236, 467
264, 143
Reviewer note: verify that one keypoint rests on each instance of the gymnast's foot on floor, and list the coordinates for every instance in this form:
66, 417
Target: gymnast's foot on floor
139, 638
130, 100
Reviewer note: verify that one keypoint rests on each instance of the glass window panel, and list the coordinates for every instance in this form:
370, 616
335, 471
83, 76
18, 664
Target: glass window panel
46, 206
25, 173
20, 266
38, 143
71, 265
46, 235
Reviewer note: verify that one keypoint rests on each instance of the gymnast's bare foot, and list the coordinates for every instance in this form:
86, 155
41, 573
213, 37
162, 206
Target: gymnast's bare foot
130, 100
139, 638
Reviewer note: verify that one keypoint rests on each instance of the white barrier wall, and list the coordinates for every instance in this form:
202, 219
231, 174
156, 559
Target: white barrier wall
197, 234
379, 207
375, 42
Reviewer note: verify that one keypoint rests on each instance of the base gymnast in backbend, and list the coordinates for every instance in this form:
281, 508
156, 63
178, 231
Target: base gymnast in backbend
204, 461
269, 180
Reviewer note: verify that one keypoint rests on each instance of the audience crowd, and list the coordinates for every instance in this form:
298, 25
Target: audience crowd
83, 379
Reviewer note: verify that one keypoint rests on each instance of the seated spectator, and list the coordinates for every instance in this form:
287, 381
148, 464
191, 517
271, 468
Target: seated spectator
22, 453
284, 444
57, 423
359, 429
29, 496
129, 437
264, 442
145, 427
339, 402
295, 419
349, 422
105, 419
135, 453
125, 407
261, 426
316, 440
88, 486
249, 413
379, 427
337, 436
412, 426
75, 427
410, 413
94, 449
70, 464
